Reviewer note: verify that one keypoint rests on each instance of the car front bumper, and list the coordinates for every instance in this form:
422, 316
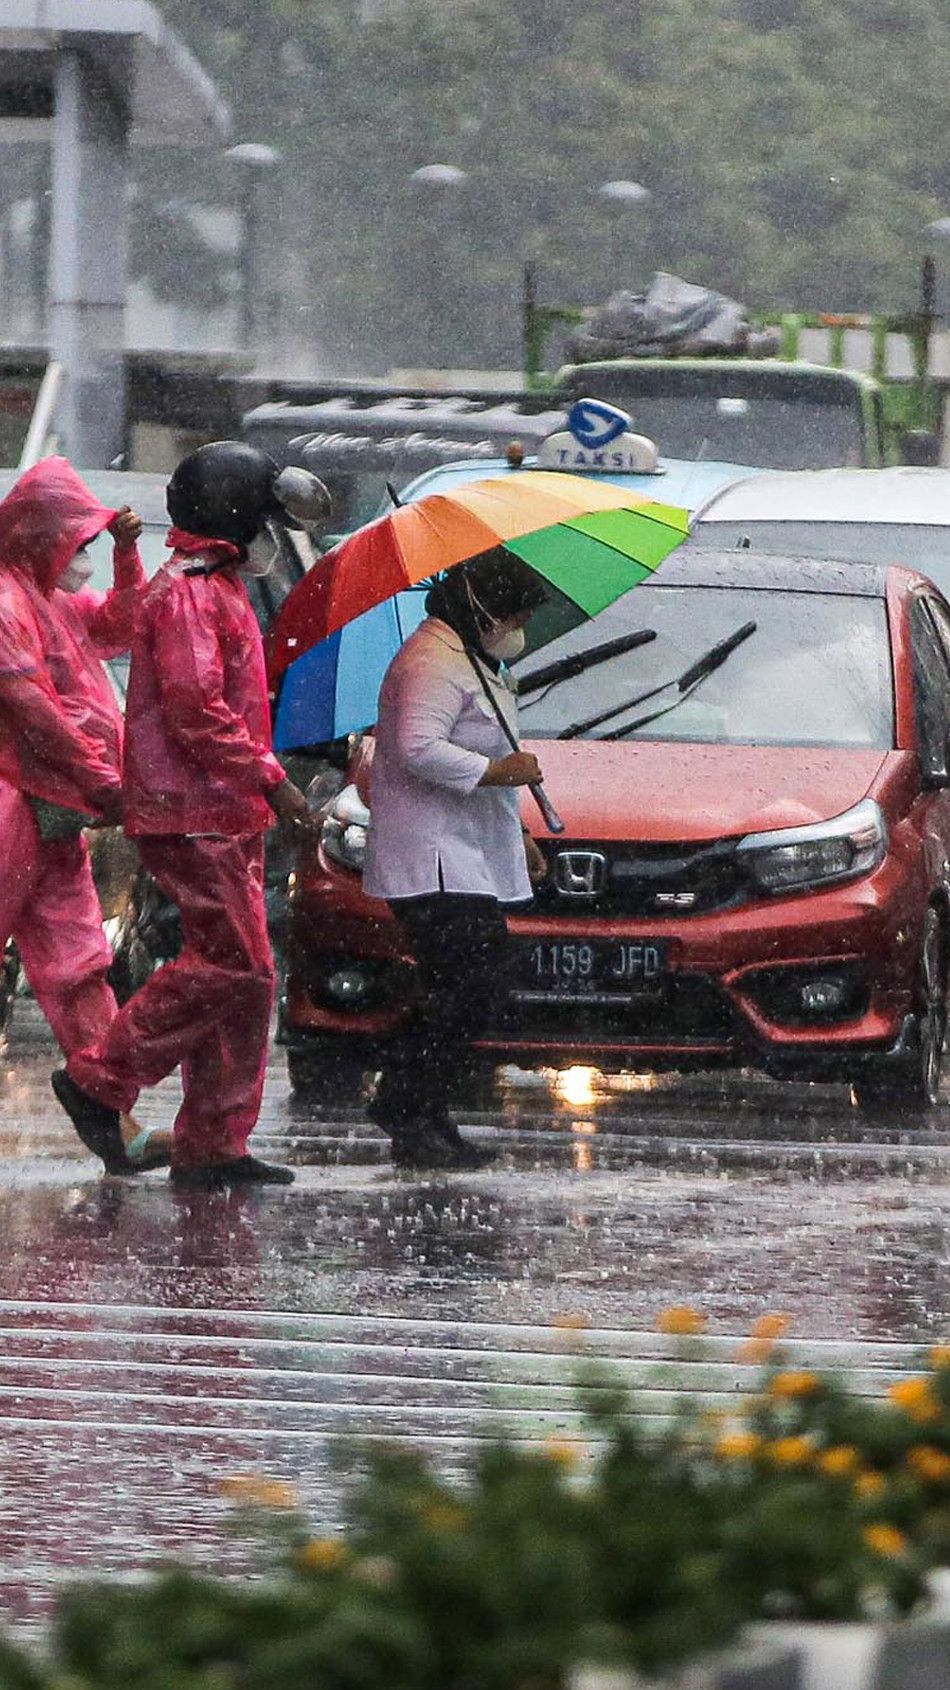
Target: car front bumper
732, 991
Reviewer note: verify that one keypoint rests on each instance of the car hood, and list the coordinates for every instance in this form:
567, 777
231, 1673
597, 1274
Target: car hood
674, 791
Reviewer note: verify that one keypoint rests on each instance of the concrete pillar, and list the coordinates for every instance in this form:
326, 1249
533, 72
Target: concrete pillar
89, 261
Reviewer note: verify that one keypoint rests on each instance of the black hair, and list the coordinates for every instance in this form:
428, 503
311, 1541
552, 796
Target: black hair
498, 582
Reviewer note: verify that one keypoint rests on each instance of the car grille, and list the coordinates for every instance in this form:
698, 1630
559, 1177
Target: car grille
642, 880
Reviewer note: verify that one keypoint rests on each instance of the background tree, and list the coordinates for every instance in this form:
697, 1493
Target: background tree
794, 150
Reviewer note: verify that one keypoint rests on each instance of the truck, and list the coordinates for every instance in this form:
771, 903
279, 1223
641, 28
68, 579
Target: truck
777, 410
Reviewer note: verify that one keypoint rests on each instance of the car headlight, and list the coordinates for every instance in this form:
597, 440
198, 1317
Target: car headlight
796, 857
343, 834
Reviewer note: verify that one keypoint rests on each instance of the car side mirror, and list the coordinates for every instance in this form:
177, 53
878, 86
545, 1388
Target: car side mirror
920, 447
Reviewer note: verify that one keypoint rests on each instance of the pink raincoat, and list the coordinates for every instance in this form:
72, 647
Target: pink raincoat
198, 767
60, 739
198, 733
56, 641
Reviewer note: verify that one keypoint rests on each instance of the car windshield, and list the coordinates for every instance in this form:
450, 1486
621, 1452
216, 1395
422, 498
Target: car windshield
789, 429
816, 671
913, 545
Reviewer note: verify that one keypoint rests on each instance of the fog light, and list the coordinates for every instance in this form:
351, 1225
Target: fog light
824, 997
348, 985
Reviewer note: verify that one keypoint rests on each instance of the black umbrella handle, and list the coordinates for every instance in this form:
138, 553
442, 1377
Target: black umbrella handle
552, 820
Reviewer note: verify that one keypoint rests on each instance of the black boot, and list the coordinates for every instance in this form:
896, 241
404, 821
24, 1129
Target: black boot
237, 1170
96, 1124
426, 1137
467, 1154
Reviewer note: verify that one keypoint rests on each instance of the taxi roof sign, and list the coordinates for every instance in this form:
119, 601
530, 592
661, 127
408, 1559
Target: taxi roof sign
599, 439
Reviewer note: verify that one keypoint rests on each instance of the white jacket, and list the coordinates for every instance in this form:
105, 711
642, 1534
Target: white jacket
432, 827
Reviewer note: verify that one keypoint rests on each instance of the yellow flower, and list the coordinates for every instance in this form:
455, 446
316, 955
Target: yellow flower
869, 1484
762, 1339
681, 1322
885, 1540
250, 1490
755, 1352
738, 1446
790, 1452
929, 1464
799, 1383
321, 1555
839, 1461
940, 1355
916, 1398
444, 1516
770, 1326
561, 1451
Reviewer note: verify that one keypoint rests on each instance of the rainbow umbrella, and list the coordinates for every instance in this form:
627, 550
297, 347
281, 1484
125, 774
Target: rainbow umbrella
334, 688
589, 541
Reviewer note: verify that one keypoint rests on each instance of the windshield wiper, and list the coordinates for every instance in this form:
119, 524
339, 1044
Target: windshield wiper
567, 667
691, 679
686, 684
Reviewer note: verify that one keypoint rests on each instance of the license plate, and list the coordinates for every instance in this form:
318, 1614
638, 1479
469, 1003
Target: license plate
592, 970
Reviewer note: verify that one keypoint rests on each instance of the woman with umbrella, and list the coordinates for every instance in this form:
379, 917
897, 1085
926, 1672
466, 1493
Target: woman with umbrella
446, 846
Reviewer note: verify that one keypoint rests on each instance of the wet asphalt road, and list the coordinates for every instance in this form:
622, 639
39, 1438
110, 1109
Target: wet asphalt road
152, 1344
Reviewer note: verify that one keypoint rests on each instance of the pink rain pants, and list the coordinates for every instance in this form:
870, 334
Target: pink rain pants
48, 904
209, 1010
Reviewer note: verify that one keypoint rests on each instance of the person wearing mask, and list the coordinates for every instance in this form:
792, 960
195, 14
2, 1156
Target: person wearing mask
201, 787
61, 749
446, 846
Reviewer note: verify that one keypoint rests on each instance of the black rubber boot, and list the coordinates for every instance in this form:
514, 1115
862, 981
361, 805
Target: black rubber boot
96, 1124
237, 1170
431, 1140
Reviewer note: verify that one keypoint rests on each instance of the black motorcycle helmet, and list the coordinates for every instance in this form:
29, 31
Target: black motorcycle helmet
224, 491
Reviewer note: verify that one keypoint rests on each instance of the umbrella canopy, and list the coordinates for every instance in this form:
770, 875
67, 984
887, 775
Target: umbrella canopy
589, 541
334, 688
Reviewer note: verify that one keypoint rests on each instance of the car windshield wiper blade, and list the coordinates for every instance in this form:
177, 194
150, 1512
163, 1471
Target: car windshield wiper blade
690, 680
714, 657
565, 668
685, 683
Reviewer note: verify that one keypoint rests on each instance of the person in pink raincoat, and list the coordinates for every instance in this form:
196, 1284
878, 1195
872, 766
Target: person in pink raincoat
201, 787
60, 737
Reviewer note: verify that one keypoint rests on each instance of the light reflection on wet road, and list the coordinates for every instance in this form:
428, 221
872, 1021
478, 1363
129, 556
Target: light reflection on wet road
151, 1343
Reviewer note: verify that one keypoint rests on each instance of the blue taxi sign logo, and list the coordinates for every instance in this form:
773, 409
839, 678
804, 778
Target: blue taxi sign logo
598, 440
595, 424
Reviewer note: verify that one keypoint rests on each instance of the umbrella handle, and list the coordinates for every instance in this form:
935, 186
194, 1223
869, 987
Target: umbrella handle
552, 820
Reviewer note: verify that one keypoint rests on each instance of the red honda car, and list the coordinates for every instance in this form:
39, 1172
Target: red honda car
756, 863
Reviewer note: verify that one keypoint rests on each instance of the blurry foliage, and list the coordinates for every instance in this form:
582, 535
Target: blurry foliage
794, 149
645, 1546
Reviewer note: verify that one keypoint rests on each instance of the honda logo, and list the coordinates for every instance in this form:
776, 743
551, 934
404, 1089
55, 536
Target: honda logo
580, 874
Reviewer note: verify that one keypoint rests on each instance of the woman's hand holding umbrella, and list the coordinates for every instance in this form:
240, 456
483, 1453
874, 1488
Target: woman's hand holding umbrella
519, 768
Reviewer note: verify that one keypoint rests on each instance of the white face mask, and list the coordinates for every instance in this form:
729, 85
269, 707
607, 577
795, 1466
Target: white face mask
76, 574
505, 644
262, 553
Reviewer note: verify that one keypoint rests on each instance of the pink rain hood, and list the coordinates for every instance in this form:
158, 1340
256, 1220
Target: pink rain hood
45, 519
55, 638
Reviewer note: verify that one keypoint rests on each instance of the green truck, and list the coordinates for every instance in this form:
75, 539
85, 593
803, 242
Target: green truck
783, 411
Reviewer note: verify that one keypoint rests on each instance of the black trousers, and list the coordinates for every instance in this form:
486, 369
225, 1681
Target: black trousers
463, 956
